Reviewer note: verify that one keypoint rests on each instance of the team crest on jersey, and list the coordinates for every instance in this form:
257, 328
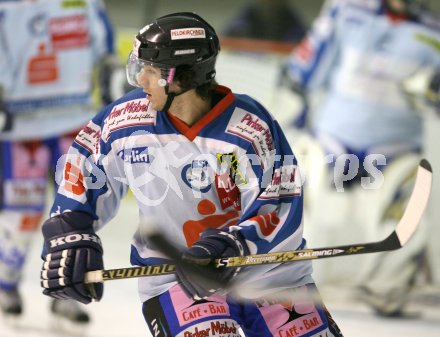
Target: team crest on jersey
136, 155
196, 175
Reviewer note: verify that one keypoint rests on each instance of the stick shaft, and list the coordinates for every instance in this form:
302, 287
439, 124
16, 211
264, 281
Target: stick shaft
250, 260
404, 230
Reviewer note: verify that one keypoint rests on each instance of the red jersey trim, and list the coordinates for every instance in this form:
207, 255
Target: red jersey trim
192, 132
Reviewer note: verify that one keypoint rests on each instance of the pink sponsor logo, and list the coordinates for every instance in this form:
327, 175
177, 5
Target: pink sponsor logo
219, 328
131, 113
89, 137
30, 159
127, 108
187, 311
254, 130
300, 327
255, 124
288, 320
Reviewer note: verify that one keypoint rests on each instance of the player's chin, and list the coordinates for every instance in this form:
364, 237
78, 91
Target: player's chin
156, 105
156, 100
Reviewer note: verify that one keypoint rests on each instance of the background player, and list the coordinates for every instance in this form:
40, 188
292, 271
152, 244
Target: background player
355, 59
48, 72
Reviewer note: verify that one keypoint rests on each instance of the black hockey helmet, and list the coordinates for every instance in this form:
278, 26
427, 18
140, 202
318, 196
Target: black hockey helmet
179, 39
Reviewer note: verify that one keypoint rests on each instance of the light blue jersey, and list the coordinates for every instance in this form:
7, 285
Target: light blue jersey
49, 50
359, 55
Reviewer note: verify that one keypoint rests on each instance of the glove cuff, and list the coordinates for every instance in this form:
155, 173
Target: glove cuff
74, 239
71, 229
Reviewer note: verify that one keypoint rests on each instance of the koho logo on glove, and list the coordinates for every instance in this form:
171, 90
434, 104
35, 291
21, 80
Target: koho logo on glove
74, 238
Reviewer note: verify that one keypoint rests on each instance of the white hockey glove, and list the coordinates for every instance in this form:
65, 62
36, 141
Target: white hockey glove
422, 89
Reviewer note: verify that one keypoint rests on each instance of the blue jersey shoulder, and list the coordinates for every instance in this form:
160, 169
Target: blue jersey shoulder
252, 105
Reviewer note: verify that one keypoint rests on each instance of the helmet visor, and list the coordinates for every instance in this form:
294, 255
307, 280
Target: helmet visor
145, 74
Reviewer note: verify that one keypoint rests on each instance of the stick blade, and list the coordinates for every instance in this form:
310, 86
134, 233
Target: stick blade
417, 203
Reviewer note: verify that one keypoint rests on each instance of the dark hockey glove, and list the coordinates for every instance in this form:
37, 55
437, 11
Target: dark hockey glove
205, 279
433, 92
71, 248
6, 119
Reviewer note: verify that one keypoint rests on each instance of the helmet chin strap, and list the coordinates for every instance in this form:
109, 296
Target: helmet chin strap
170, 97
169, 101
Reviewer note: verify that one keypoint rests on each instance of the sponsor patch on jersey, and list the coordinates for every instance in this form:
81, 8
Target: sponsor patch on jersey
29, 160
197, 175
127, 114
294, 319
215, 328
73, 184
136, 155
26, 192
252, 129
89, 137
286, 182
188, 33
69, 32
228, 180
74, 179
187, 310
230, 162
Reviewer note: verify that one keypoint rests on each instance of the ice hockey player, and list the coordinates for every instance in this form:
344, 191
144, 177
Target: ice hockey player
50, 52
356, 58
215, 171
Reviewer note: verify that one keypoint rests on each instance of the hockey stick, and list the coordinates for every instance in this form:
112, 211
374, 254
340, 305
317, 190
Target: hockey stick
397, 239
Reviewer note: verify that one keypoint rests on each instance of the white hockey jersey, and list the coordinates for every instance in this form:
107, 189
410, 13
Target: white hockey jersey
359, 56
232, 169
49, 51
